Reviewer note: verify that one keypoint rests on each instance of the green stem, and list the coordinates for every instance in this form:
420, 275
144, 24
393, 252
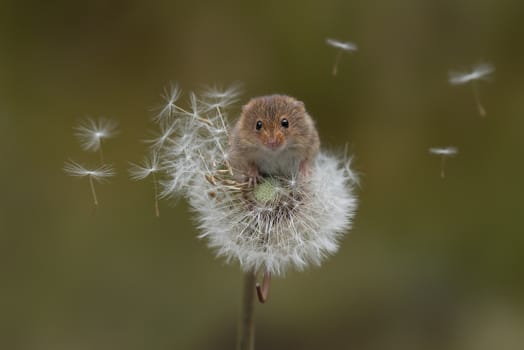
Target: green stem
246, 338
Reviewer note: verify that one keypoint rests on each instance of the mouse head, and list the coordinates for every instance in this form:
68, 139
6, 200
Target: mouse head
273, 120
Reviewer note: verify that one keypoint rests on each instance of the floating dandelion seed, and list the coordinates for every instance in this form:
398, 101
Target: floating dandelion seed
479, 72
342, 47
91, 132
444, 153
149, 166
100, 174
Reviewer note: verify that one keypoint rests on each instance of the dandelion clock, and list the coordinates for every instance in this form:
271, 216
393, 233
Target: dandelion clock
263, 217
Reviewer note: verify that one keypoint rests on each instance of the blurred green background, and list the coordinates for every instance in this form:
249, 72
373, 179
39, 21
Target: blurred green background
429, 264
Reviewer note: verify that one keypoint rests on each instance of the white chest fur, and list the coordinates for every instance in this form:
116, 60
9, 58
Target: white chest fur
283, 162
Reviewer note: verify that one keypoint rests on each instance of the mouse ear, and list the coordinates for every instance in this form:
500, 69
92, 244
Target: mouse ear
249, 104
299, 104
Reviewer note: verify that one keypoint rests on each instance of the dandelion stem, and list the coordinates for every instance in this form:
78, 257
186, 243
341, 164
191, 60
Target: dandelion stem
95, 200
155, 186
337, 60
481, 109
263, 290
246, 338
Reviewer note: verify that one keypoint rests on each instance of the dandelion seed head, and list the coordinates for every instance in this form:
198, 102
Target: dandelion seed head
344, 46
91, 132
266, 191
276, 227
444, 151
279, 224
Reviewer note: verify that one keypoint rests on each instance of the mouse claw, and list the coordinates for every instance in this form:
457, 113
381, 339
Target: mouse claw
253, 177
253, 180
304, 168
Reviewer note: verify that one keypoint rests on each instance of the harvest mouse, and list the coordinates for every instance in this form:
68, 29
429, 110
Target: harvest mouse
274, 136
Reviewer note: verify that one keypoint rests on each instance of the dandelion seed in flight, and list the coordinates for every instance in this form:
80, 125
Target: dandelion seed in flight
479, 72
99, 174
149, 166
342, 47
91, 132
443, 153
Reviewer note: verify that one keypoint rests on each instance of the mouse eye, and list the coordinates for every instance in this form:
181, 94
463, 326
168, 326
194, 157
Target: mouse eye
284, 123
259, 125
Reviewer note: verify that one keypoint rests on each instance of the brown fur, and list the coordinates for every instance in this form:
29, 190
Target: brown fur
273, 150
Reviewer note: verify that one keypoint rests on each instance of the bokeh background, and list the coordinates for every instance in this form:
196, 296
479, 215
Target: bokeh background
431, 263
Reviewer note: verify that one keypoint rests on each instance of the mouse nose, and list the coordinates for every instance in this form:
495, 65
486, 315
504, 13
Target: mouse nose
272, 143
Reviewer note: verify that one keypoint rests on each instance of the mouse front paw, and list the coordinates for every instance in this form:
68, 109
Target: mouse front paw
304, 168
253, 176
